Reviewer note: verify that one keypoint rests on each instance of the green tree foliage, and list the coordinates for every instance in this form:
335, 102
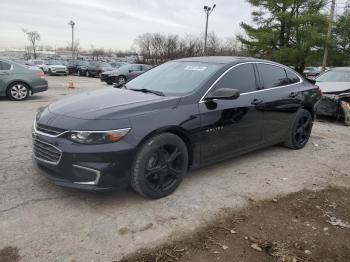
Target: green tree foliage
287, 31
340, 55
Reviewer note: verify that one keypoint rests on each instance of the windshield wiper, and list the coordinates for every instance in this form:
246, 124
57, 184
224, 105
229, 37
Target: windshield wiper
145, 90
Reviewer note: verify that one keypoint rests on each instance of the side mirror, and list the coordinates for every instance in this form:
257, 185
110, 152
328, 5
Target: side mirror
224, 93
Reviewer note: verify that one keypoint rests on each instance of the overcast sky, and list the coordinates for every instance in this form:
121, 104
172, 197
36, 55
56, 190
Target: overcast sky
114, 23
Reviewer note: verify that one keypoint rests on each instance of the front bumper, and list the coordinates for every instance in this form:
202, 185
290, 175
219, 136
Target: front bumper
40, 88
86, 167
107, 78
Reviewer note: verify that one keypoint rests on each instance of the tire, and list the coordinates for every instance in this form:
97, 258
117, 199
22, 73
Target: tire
300, 130
120, 80
159, 166
18, 91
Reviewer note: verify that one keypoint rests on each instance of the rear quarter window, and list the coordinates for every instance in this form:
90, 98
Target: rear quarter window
292, 77
5, 66
272, 76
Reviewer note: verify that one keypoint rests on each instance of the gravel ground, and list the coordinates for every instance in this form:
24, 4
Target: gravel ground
43, 222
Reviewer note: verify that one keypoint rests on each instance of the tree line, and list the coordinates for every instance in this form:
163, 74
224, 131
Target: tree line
292, 32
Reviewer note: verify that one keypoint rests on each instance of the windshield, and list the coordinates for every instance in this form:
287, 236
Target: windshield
82, 63
175, 77
38, 62
55, 62
104, 64
334, 76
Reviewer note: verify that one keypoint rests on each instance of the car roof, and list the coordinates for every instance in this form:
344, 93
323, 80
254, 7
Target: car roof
345, 68
220, 59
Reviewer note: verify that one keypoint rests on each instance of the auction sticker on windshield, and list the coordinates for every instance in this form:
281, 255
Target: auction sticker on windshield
195, 68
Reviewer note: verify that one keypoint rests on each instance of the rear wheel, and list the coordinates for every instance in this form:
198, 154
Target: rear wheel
300, 130
159, 166
18, 91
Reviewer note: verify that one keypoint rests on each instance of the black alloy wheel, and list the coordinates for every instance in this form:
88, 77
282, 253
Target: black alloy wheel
300, 132
160, 166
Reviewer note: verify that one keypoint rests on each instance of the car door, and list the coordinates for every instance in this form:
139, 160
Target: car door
229, 127
282, 98
5, 70
134, 71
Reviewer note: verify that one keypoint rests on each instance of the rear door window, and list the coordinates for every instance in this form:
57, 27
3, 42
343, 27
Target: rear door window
241, 77
272, 76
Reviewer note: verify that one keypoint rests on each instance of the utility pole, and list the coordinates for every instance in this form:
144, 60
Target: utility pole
208, 10
329, 33
72, 24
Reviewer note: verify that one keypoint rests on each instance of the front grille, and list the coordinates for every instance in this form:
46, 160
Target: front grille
49, 129
46, 152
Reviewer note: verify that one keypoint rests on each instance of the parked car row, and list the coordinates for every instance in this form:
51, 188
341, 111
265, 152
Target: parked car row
77, 67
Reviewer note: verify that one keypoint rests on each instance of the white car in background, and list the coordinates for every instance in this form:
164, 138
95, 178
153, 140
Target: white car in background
37, 62
55, 67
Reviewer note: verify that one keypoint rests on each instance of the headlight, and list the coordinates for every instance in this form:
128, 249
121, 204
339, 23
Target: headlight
98, 137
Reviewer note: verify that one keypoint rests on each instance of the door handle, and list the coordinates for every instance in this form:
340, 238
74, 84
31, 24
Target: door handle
293, 94
256, 102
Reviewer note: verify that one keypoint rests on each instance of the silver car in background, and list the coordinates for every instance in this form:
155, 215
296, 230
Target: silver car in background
335, 85
124, 73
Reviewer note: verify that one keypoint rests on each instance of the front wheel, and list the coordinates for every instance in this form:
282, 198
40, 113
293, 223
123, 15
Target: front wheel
300, 130
121, 80
18, 91
159, 166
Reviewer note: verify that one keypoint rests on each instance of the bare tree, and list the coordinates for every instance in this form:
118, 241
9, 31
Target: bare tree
157, 48
33, 37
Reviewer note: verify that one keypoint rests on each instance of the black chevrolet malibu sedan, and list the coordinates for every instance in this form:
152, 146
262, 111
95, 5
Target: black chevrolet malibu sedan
177, 116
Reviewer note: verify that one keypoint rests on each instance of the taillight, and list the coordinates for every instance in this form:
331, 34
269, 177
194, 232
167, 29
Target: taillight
320, 91
40, 74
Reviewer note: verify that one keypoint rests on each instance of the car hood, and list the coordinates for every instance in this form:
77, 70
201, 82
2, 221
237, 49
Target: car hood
111, 103
57, 66
330, 87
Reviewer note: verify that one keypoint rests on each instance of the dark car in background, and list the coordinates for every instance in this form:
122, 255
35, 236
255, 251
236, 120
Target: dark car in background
117, 64
95, 68
124, 73
78, 67
180, 115
17, 81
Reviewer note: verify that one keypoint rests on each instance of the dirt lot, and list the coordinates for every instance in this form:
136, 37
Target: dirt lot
42, 222
303, 226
